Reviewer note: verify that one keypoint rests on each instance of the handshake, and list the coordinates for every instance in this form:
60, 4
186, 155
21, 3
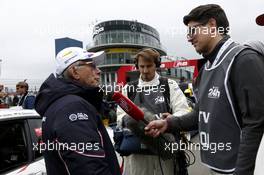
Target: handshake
157, 127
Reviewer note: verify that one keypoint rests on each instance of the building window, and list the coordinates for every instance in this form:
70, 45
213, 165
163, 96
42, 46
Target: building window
121, 57
108, 59
120, 38
113, 38
114, 58
127, 38
104, 38
123, 36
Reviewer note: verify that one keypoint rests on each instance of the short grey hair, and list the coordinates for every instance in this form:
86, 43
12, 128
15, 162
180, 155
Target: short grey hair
65, 74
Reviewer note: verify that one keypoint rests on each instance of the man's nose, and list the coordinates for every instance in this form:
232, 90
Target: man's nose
189, 39
97, 70
145, 70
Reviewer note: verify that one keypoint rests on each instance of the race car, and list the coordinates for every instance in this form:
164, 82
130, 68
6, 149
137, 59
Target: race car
20, 138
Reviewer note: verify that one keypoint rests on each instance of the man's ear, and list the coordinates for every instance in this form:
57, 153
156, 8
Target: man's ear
212, 22
73, 73
213, 26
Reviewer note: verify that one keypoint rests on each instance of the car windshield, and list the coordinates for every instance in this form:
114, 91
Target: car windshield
13, 147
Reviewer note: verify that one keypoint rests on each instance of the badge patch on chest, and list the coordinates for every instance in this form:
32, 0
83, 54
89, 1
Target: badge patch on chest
159, 100
78, 116
214, 92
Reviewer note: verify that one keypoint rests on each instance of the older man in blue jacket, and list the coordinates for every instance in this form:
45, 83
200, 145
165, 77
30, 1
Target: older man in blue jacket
75, 139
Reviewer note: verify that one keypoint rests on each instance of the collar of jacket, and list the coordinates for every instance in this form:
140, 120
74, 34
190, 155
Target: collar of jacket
211, 56
94, 95
154, 82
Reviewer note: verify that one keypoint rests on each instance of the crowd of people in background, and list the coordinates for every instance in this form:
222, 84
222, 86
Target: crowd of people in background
22, 97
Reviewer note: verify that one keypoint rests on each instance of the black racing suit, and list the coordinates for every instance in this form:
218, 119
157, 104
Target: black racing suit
78, 141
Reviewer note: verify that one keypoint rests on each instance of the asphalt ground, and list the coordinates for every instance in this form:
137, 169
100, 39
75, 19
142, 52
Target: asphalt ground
197, 168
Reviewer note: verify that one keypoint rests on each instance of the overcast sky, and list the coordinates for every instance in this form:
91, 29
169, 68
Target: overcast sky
28, 27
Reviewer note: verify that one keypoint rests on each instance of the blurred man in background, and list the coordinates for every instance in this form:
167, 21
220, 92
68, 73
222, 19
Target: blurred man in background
26, 99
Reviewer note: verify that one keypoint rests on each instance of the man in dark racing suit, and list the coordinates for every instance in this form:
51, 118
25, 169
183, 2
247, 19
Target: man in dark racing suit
74, 138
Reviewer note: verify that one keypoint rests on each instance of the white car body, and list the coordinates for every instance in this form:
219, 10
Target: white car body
32, 166
37, 166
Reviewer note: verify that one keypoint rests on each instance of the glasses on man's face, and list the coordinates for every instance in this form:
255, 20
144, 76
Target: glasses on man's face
90, 64
193, 30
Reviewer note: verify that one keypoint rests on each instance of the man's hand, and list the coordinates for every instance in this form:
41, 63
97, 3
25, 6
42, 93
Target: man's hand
156, 127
